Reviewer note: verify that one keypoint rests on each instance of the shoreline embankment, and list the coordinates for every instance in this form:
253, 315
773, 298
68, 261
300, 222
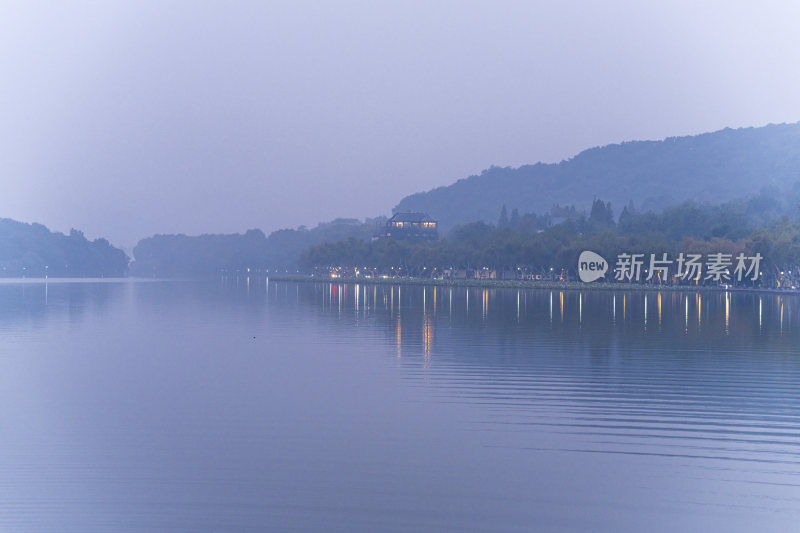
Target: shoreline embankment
525, 284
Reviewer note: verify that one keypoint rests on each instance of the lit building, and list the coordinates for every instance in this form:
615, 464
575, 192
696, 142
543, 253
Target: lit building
411, 226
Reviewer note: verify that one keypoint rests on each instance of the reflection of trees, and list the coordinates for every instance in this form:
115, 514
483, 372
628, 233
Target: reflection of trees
37, 302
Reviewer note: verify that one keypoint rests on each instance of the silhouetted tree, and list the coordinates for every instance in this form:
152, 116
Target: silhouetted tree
33, 250
502, 222
601, 216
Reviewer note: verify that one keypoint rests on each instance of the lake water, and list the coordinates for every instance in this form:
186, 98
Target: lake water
241, 405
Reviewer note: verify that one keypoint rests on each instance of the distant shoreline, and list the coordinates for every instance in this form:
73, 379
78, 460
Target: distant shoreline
88, 279
465, 283
522, 284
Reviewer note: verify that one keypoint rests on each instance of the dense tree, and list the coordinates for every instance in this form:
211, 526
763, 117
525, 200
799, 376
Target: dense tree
503, 222
207, 255
601, 216
689, 228
33, 250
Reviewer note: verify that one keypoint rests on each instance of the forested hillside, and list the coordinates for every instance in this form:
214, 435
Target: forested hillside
206, 255
737, 181
712, 167
34, 251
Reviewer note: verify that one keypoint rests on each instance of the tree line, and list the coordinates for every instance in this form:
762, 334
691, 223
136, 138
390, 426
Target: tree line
32, 250
519, 243
212, 254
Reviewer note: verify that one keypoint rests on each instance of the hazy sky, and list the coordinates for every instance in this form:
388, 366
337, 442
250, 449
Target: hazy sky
126, 119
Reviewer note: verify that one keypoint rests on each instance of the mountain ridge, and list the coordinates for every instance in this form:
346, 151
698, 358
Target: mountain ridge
709, 167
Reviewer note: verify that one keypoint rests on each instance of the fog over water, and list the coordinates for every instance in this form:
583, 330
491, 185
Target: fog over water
129, 119
247, 405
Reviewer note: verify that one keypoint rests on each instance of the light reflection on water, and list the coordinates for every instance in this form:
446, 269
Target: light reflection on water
704, 386
529, 305
250, 404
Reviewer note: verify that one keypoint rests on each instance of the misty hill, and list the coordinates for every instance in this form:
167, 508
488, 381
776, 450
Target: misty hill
32, 250
753, 172
207, 255
712, 167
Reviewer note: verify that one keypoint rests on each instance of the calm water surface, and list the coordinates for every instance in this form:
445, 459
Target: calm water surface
274, 406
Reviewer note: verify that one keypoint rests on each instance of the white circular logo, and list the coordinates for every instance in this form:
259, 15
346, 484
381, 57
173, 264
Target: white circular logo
591, 266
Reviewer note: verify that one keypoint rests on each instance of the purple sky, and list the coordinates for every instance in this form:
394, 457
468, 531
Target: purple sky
128, 119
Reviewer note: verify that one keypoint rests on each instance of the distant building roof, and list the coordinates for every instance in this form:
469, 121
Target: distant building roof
411, 226
411, 217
